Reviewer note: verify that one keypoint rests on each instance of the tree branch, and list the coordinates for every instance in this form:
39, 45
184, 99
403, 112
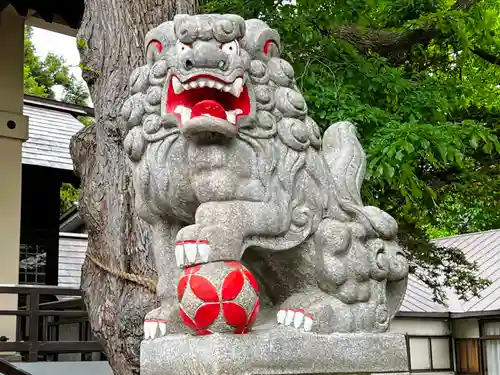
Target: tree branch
396, 46
492, 59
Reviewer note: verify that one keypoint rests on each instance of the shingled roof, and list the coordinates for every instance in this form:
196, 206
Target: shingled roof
64, 12
51, 126
482, 248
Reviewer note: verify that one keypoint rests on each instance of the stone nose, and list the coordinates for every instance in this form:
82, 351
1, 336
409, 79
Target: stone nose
207, 56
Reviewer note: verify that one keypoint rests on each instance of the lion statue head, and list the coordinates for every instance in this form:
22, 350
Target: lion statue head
214, 77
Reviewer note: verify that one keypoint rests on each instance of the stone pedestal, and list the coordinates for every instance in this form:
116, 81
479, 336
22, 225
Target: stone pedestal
279, 351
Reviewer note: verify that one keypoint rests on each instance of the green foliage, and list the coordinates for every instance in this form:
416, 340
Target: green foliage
429, 121
69, 197
81, 44
86, 120
40, 77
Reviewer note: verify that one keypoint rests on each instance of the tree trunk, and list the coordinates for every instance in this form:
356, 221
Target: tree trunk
110, 41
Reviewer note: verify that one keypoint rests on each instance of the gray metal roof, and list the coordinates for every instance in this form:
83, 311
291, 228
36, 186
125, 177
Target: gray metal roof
482, 248
50, 132
419, 298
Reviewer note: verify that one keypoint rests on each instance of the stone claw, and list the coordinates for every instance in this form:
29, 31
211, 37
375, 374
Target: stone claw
154, 329
296, 318
197, 244
189, 252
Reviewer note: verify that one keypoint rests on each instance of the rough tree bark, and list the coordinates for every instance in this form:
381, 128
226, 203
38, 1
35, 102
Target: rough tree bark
110, 41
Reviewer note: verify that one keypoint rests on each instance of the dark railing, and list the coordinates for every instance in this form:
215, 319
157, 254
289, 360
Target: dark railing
35, 323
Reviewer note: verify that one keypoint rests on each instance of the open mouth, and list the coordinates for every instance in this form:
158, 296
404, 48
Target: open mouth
207, 96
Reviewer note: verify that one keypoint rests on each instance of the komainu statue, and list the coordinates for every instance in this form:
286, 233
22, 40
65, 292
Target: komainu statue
228, 168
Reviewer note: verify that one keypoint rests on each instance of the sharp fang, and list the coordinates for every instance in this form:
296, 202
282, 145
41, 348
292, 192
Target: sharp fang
185, 113
211, 84
219, 85
231, 115
237, 87
177, 85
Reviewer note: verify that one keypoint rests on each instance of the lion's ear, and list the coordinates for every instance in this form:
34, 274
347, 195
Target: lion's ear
153, 51
158, 40
260, 41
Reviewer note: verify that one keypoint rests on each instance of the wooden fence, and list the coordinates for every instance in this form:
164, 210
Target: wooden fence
35, 323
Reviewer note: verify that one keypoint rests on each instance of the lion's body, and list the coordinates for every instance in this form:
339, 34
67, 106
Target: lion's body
273, 193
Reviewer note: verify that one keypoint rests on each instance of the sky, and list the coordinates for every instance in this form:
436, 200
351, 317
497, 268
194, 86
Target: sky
48, 41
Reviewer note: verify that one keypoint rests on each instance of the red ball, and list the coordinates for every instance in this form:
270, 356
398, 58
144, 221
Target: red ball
218, 297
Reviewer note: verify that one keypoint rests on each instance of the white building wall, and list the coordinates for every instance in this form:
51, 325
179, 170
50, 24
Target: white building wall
429, 344
420, 327
465, 328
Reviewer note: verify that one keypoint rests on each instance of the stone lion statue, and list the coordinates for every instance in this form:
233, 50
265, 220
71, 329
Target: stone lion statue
228, 165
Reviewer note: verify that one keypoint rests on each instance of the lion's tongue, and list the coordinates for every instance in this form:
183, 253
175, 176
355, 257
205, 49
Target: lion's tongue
208, 107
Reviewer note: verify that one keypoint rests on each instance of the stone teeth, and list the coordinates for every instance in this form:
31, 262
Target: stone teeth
177, 85
237, 87
186, 86
193, 84
227, 88
211, 84
219, 85
202, 83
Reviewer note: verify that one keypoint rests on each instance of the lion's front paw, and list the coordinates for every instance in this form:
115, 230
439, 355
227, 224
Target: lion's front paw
190, 248
315, 311
162, 321
197, 244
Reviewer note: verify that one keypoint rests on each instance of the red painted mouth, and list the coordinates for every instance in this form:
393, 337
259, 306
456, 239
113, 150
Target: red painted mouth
206, 95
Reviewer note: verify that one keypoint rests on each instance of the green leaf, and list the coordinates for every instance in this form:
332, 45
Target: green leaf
474, 141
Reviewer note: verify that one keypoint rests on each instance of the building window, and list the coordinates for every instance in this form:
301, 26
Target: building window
429, 353
32, 264
467, 356
491, 347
